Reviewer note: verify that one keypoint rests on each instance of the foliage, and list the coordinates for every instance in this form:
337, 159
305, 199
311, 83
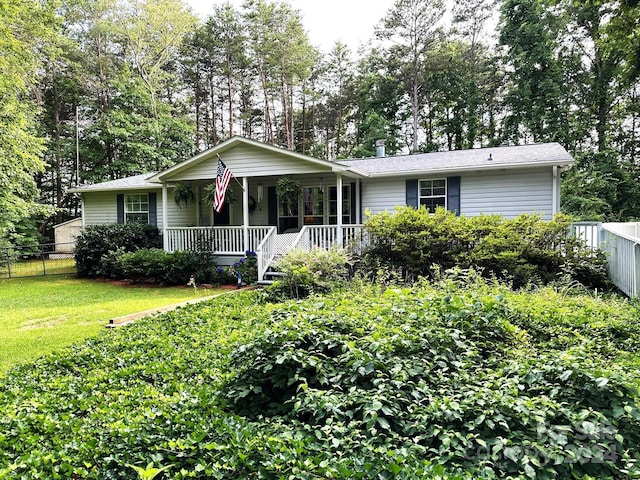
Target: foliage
525, 249
154, 265
246, 268
183, 193
427, 382
24, 26
603, 187
305, 273
98, 240
223, 276
231, 196
288, 190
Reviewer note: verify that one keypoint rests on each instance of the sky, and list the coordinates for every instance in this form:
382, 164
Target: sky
351, 21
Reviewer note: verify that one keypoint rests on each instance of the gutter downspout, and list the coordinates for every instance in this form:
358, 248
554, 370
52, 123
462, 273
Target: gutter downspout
165, 238
84, 221
555, 195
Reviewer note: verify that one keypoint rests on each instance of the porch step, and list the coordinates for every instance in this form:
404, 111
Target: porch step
270, 277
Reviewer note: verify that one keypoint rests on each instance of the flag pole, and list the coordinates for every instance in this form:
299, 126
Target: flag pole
232, 176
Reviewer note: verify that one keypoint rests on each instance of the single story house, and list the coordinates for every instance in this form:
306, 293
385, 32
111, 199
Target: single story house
334, 195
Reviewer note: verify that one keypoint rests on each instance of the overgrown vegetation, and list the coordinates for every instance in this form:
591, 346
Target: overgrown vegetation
99, 240
154, 265
304, 273
457, 380
524, 250
132, 251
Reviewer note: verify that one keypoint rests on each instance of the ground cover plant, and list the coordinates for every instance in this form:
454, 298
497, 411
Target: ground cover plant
457, 380
43, 314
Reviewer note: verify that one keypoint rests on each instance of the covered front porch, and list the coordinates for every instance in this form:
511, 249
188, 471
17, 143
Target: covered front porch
259, 213
229, 242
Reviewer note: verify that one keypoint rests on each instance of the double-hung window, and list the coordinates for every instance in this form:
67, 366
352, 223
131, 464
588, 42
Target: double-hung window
136, 208
432, 193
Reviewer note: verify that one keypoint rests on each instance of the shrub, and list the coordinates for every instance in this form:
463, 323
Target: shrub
156, 265
315, 271
525, 249
247, 267
223, 276
98, 240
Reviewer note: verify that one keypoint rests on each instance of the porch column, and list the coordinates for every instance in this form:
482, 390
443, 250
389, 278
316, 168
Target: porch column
339, 209
245, 212
165, 238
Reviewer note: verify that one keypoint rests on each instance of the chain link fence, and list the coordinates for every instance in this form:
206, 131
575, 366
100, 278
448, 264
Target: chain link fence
45, 259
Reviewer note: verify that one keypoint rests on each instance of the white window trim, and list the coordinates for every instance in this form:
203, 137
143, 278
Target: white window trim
126, 212
446, 190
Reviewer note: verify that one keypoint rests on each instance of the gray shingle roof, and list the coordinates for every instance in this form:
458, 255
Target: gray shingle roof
461, 160
126, 183
544, 154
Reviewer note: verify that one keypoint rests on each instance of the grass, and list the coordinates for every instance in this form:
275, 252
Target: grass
44, 314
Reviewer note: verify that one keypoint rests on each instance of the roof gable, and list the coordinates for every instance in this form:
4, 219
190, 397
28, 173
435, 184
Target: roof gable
247, 158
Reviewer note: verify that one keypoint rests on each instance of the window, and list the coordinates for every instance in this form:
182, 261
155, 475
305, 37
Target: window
346, 205
136, 208
432, 194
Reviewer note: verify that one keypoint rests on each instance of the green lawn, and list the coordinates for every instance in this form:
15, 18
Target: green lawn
43, 314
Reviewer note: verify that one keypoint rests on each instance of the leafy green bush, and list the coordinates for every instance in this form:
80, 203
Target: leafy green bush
525, 249
98, 240
157, 266
246, 267
315, 271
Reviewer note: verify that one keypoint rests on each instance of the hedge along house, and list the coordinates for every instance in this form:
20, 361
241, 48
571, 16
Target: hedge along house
333, 195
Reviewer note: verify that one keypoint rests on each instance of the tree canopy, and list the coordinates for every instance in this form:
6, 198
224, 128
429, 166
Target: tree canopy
142, 84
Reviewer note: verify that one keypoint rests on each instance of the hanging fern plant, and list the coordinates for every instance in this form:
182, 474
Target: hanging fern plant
183, 193
231, 196
289, 191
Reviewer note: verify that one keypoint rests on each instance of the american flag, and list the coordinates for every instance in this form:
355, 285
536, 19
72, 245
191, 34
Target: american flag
223, 177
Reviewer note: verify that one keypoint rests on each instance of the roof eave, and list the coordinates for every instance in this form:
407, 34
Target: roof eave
114, 189
474, 168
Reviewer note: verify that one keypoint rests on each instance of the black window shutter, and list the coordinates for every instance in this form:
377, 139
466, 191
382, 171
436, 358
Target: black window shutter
272, 206
412, 192
453, 194
120, 208
153, 209
353, 202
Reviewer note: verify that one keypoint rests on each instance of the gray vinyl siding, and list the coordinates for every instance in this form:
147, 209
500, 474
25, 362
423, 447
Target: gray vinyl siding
249, 161
101, 207
383, 194
508, 193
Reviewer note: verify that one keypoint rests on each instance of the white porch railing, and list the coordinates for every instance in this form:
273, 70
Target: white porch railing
587, 231
265, 252
326, 236
621, 243
220, 240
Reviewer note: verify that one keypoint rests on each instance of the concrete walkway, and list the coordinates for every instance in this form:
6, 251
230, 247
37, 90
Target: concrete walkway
132, 317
